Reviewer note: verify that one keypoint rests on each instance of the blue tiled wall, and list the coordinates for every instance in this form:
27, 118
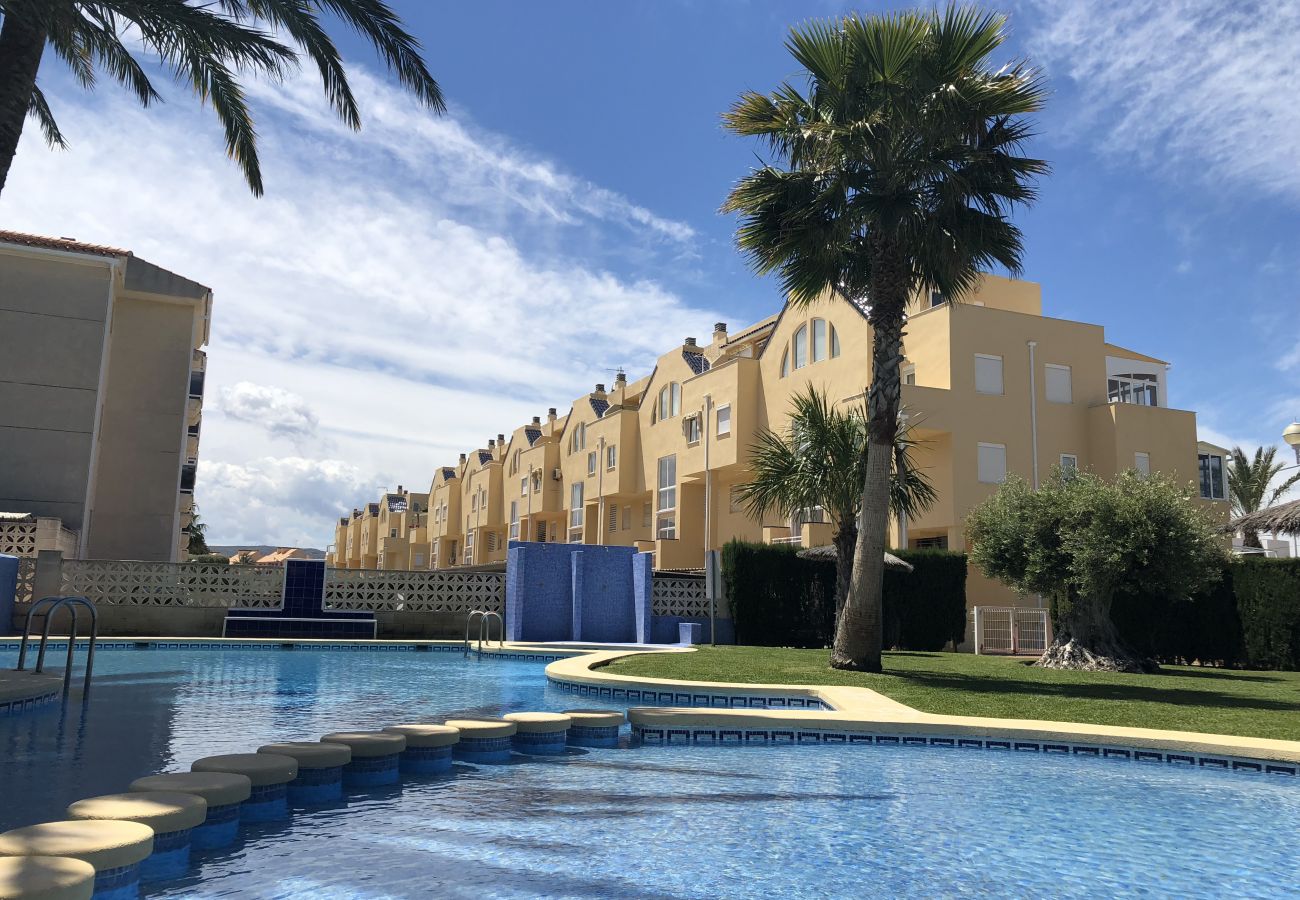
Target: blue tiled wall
603, 608
303, 598
539, 591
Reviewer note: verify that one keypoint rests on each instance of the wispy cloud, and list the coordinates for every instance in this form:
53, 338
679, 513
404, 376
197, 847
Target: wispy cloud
399, 296
1188, 88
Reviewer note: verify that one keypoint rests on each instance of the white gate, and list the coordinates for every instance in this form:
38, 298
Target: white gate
1011, 630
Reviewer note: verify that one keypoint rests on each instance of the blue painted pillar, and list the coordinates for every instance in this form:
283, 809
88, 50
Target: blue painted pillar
642, 594
576, 573
516, 559
8, 588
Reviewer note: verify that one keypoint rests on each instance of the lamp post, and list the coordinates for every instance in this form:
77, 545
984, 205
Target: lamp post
1291, 434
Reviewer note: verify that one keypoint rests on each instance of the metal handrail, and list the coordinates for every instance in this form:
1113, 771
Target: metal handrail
55, 603
469, 621
484, 630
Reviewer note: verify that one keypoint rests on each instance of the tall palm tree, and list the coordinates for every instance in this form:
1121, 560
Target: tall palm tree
898, 166
1248, 486
198, 545
206, 45
820, 460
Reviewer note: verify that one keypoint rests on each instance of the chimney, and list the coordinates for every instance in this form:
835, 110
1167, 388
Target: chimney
399, 489
620, 378
720, 333
690, 342
600, 389
491, 443
501, 439
462, 457
550, 414
537, 420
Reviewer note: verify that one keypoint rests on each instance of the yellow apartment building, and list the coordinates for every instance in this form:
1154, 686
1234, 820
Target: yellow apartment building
101, 395
991, 387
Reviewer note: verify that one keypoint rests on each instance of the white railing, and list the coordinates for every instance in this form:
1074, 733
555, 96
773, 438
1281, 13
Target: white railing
678, 595
123, 583
794, 539
395, 591
1011, 630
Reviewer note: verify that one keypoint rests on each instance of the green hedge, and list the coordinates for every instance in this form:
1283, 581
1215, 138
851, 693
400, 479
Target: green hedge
780, 600
1250, 617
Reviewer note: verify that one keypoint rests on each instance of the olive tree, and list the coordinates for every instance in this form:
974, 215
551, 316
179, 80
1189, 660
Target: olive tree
1079, 540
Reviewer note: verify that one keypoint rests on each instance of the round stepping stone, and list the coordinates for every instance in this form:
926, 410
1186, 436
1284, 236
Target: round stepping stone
320, 770
114, 849
46, 878
540, 732
171, 814
594, 727
483, 740
428, 747
376, 756
270, 774
224, 793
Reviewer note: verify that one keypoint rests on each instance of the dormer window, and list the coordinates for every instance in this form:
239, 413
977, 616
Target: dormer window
670, 401
813, 342
579, 439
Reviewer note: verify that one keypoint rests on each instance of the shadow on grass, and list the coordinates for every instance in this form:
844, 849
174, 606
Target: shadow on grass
1096, 691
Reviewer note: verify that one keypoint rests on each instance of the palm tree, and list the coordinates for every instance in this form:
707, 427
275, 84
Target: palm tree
206, 45
820, 460
198, 545
899, 165
1248, 486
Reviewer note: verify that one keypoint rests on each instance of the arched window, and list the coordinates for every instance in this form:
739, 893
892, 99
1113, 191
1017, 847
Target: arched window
579, 437
785, 362
801, 347
818, 340
835, 342
670, 400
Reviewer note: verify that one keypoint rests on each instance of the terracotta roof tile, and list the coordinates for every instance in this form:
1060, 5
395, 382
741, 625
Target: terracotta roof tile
66, 244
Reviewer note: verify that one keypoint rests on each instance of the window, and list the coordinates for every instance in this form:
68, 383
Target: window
196, 385
627, 518
693, 429
514, 462
491, 542
392, 532
575, 505
647, 512
992, 463
1142, 462
523, 485
1069, 462
1211, 466
801, 347
938, 298
666, 527
931, 543
189, 472
818, 340
554, 532
611, 457
473, 502
670, 400
909, 375
724, 420
541, 532
613, 517
579, 440
988, 374
835, 342
1138, 388
591, 463
1058, 384
419, 560
537, 482
514, 520
785, 362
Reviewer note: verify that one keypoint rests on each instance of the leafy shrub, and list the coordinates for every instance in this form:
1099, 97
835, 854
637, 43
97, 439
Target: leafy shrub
780, 600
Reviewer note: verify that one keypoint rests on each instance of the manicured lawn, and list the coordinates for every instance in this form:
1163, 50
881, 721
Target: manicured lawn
1220, 701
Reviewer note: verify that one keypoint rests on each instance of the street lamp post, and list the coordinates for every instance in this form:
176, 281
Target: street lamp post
1291, 434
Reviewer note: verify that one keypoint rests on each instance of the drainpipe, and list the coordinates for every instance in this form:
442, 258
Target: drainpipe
902, 516
1033, 409
532, 527
708, 515
600, 491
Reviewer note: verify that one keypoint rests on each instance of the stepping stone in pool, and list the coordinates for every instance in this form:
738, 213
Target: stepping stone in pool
46, 878
171, 814
270, 774
320, 770
376, 756
428, 747
224, 793
483, 740
114, 849
595, 727
540, 732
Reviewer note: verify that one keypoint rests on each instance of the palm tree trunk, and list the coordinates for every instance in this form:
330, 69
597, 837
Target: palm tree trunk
1250, 538
22, 40
845, 540
859, 633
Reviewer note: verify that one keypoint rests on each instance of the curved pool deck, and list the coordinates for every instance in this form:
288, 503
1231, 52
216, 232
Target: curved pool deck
776, 713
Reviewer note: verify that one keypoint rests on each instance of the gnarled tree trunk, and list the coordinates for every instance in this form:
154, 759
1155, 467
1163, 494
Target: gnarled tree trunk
1086, 639
22, 40
859, 631
845, 540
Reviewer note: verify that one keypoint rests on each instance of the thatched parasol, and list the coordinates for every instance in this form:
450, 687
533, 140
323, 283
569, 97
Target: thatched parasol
1285, 517
827, 554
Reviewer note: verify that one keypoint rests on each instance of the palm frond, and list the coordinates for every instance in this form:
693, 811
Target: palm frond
40, 110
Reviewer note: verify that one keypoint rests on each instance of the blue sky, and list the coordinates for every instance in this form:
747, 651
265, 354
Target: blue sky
462, 270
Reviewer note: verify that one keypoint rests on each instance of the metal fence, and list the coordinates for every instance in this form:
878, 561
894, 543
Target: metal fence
1011, 630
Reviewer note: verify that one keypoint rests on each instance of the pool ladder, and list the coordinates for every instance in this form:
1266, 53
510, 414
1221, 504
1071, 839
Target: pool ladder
49, 606
484, 631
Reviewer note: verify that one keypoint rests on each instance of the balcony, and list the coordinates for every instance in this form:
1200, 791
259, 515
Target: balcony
193, 411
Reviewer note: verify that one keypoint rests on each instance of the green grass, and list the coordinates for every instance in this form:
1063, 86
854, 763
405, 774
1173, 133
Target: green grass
1182, 698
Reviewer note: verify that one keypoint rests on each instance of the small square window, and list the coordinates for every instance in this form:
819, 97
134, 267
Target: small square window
1058, 387
992, 463
1142, 462
988, 374
724, 420
1069, 462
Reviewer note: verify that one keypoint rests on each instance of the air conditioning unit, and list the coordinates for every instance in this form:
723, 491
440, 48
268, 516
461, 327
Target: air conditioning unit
557, 474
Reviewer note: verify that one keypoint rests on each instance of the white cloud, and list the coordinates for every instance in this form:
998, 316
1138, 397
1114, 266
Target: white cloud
397, 297
281, 413
1185, 87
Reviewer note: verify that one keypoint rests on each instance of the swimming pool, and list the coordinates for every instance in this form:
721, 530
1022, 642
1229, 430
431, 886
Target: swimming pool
655, 821
153, 710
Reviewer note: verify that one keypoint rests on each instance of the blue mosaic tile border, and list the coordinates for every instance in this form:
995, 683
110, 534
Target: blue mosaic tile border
691, 698
795, 735
296, 644
27, 704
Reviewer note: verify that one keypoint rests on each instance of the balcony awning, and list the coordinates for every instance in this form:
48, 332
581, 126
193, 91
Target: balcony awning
827, 554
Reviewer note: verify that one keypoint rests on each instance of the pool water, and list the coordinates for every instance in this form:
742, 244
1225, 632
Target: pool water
810, 821
159, 710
